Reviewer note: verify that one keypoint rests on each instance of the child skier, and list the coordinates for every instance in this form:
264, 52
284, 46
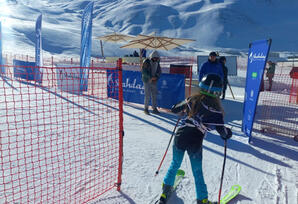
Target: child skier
203, 113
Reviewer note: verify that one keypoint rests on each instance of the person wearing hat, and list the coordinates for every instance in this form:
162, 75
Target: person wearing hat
201, 112
151, 72
211, 67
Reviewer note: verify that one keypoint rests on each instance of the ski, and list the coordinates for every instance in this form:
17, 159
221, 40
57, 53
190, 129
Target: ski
234, 191
179, 176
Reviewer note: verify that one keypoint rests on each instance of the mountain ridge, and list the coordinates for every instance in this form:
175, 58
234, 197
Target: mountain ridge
228, 25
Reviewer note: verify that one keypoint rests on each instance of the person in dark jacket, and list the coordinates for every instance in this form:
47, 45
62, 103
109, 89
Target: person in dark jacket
135, 54
222, 61
211, 67
151, 72
270, 73
143, 53
203, 112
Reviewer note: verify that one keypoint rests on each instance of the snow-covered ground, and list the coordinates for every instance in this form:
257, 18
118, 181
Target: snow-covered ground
266, 169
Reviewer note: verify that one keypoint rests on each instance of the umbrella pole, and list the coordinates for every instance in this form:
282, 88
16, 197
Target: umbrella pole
101, 47
141, 60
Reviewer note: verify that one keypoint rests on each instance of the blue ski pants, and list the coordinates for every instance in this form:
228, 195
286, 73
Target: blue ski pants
196, 165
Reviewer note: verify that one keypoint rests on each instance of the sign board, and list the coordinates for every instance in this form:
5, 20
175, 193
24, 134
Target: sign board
171, 88
68, 78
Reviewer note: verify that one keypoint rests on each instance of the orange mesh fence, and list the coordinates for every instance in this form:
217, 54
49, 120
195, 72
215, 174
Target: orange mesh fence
277, 110
59, 144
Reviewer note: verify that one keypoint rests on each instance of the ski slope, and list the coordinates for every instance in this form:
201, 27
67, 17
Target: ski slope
266, 169
224, 25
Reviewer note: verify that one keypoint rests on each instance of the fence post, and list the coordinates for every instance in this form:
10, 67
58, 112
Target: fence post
121, 132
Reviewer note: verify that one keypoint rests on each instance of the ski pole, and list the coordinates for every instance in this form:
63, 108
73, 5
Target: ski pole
223, 170
167, 148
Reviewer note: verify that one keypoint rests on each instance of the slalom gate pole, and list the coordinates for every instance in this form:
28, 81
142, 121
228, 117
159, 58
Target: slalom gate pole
167, 148
223, 170
231, 90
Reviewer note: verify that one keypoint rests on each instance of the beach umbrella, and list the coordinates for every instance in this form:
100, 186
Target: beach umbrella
114, 37
154, 42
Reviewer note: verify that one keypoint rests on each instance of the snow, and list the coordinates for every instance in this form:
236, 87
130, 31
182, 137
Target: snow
266, 169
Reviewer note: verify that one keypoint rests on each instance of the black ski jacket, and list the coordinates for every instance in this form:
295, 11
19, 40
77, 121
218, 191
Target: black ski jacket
191, 131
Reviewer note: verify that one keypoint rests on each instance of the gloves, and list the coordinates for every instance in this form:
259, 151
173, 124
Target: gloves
227, 134
179, 107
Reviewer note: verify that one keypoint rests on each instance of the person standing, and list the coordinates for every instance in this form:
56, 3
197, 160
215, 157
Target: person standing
143, 53
135, 54
270, 73
151, 72
203, 112
211, 67
222, 61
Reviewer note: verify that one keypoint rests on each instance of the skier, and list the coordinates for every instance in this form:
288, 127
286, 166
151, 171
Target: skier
203, 113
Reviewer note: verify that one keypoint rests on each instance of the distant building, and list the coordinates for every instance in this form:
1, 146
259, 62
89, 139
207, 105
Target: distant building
293, 58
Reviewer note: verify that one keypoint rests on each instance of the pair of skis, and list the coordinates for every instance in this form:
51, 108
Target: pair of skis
234, 191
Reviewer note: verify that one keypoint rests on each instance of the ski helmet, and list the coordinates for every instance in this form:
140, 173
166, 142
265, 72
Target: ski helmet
211, 85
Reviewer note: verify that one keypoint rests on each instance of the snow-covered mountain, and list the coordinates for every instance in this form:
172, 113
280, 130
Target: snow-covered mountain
224, 25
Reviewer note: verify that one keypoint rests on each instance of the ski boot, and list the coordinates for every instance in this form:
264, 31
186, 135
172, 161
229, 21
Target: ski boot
166, 192
146, 111
155, 111
205, 201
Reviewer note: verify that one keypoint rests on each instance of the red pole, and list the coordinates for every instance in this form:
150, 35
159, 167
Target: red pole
121, 132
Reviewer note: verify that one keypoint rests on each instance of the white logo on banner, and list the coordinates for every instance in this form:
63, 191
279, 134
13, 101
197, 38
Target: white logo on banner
112, 81
252, 93
164, 83
132, 85
256, 57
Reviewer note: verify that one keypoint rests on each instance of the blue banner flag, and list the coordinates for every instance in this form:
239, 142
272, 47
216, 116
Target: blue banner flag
171, 88
86, 40
257, 58
38, 50
2, 70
